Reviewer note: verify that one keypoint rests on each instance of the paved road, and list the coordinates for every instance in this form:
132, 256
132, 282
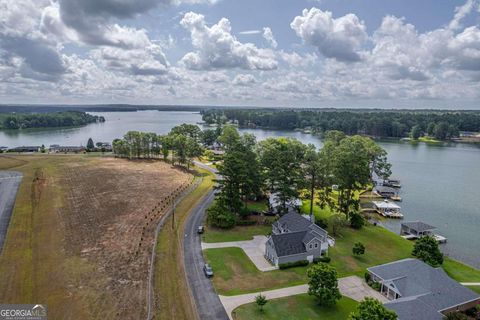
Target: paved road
9, 183
207, 302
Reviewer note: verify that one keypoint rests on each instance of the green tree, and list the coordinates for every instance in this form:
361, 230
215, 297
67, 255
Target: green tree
219, 216
358, 249
312, 168
441, 130
426, 249
323, 284
90, 144
416, 132
372, 309
281, 161
356, 220
261, 301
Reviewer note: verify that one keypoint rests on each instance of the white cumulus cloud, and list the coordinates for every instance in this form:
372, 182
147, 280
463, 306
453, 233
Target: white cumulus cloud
217, 48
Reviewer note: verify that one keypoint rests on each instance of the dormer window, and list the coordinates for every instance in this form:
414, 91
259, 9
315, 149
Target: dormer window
310, 246
316, 245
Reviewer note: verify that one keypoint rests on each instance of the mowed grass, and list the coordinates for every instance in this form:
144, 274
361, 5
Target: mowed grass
381, 246
298, 307
474, 288
236, 274
460, 271
172, 300
238, 233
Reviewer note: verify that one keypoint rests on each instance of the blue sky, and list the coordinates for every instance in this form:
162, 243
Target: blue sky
328, 53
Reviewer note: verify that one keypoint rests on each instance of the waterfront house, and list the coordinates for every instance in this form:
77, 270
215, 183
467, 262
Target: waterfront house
275, 204
295, 238
387, 209
66, 149
419, 291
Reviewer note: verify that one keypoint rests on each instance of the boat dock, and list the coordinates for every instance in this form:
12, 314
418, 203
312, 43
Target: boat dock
414, 230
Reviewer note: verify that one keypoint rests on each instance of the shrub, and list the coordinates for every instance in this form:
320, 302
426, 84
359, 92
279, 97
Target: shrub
356, 220
322, 223
246, 222
324, 259
368, 277
220, 217
358, 249
376, 286
300, 263
426, 249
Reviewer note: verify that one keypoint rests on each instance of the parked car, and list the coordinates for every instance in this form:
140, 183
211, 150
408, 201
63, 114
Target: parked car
200, 229
208, 270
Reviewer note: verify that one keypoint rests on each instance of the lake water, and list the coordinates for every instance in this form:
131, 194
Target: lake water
441, 183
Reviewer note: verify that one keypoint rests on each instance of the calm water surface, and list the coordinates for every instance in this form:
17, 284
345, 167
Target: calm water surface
441, 183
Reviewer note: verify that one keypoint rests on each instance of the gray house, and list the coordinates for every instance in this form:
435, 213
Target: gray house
294, 238
418, 291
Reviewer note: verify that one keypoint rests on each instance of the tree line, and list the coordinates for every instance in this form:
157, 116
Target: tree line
378, 123
286, 167
180, 146
47, 120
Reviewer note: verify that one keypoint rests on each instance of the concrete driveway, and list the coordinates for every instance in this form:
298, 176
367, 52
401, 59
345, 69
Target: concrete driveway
352, 287
254, 249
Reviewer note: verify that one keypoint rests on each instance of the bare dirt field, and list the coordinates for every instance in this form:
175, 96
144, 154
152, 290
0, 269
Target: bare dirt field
82, 231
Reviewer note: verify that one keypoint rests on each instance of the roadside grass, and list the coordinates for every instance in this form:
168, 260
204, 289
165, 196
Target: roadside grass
298, 307
236, 274
381, 246
460, 271
238, 233
172, 298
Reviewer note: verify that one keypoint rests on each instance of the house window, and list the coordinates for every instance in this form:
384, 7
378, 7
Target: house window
316, 245
310, 246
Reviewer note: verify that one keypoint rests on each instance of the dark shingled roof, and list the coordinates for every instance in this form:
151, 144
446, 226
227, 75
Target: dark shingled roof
419, 226
289, 243
425, 290
294, 222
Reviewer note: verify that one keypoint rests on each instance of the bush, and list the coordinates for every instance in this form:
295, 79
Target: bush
324, 259
358, 249
322, 223
246, 222
300, 263
376, 286
220, 217
368, 277
426, 249
356, 220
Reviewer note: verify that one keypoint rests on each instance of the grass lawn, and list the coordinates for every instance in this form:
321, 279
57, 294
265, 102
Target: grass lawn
460, 271
475, 288
257, 206
381, 246
238, 233
172, 300
236, 274
429, 139
296, 307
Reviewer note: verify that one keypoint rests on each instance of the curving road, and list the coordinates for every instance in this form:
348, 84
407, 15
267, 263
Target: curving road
9, 183
207, 302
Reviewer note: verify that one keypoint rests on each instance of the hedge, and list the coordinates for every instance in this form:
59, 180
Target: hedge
300, 263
